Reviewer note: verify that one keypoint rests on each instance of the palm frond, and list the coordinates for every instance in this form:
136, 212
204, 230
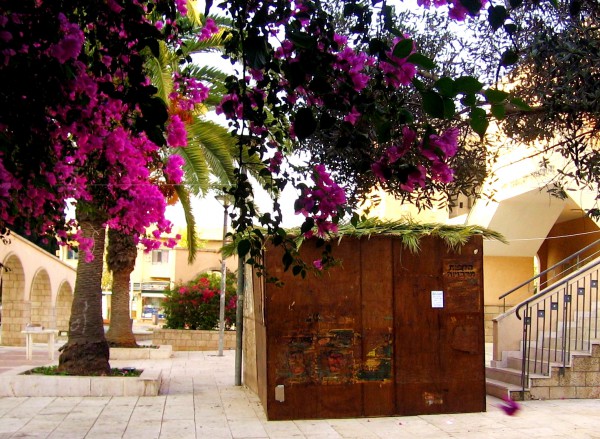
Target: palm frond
408, 232
196, 169
216, 143
184, 198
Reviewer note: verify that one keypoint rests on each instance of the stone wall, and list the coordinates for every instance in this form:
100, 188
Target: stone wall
581, 380
490, 312
188, 340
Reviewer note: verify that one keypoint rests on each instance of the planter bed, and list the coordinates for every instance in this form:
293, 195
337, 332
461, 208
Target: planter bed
13, 383
142, 353
193, 340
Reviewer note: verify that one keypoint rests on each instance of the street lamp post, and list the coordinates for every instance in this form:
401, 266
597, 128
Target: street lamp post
223, 280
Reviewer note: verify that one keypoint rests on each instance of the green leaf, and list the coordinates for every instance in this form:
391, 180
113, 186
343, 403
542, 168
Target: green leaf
449, 108
473, 6
467, 85
384, 131
445, 86
419, 85
287, 260
376, 46
515, 3
421, 61
302, 40
255, 48
495, 96
520, 104
403, 48
497, 16
243, 247
479, 122
433, 104
509, 58
296, 270
469, 100
307, 225
304, 123
510, 28
498, 111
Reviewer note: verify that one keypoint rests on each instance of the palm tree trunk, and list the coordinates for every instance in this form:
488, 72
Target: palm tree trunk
86, 351
122, 252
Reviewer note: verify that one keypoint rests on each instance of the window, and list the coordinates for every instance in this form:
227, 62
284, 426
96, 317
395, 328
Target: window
160, 257
72, 254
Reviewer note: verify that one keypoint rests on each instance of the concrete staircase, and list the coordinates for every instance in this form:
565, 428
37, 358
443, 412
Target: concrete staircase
580, 378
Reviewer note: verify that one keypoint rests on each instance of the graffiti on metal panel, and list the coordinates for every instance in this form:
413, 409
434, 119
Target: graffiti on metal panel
328, 358
378, 364
336, 356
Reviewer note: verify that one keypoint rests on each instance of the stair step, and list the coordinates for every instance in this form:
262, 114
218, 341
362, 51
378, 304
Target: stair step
504, 390
534, 366
505, 375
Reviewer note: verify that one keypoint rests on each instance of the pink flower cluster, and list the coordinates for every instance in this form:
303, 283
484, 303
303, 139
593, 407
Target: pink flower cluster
321, 202
176, 132
209, 29
437, 150
275, 163
188, 93
70, 46
231, 106
181, 6
456, 9
96, 154
398, 71
355, 64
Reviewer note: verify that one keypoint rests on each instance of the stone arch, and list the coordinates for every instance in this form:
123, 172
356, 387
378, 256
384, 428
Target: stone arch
64, 300
16, 310
42, 309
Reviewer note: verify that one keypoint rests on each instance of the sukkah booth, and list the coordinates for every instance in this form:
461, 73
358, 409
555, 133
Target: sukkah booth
387, 332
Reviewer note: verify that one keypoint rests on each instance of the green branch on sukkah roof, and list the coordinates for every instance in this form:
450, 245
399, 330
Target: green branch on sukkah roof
408, 231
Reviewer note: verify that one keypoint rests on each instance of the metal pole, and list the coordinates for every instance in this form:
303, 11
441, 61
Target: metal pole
239, 321
223, 284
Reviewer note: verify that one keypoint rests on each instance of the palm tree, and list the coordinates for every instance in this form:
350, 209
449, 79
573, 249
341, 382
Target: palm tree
87, 352
209, 152
120, 259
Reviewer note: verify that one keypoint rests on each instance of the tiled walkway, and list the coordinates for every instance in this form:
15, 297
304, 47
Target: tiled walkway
199, 400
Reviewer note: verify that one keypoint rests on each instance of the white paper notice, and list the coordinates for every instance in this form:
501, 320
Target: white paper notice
437, 299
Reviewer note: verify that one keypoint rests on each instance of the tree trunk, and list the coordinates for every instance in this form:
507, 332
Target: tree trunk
121, 255
86, 351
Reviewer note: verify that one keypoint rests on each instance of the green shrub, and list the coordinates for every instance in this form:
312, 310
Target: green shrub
195, 304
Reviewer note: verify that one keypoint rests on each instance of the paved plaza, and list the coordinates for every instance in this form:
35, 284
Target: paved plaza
199, 400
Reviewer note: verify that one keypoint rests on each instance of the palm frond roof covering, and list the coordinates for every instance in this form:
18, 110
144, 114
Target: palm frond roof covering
408, 231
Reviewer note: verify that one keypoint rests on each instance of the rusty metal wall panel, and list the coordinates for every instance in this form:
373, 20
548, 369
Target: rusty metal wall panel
364, 340
375, 376
313, 344
440, 350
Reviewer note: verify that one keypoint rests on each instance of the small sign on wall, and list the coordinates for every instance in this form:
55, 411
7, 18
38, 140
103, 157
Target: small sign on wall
437, 299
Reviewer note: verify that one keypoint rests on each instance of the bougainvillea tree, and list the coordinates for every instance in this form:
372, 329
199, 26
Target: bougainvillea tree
81, 121
361, 107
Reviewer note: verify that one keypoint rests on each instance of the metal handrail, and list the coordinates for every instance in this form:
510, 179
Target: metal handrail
570, 307
551, 288
547, 270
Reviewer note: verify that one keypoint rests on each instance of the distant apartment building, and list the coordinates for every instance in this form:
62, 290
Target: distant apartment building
161, 269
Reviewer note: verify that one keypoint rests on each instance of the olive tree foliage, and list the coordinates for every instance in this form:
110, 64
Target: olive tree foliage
549, 56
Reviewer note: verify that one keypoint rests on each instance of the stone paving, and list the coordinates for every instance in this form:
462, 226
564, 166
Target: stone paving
199, 400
